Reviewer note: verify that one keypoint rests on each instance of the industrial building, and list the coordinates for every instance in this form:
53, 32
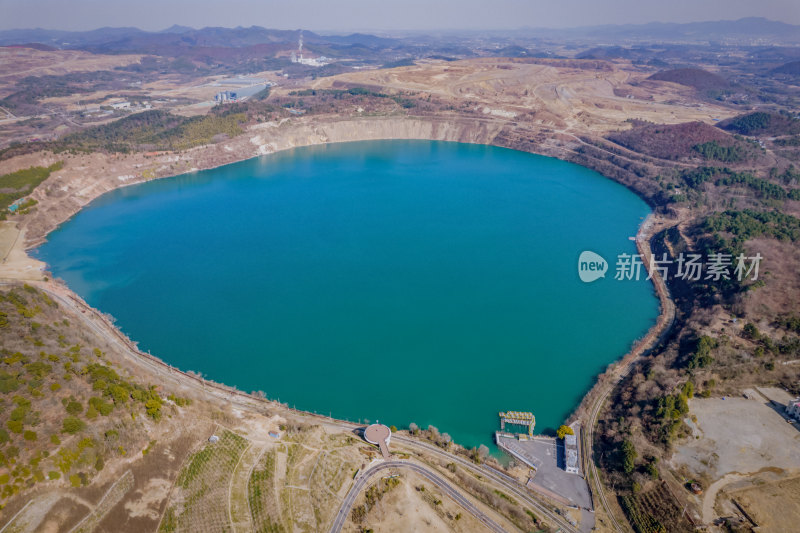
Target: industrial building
320, 61
571, 454
225, 97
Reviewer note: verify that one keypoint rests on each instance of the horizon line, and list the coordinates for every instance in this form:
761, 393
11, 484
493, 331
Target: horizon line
398, 30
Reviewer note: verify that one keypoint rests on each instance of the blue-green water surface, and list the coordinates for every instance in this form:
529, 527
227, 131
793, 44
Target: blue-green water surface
405, 281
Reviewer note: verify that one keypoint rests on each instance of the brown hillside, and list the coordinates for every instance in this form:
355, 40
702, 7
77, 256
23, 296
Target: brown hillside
692, 77
790, 69
670, 141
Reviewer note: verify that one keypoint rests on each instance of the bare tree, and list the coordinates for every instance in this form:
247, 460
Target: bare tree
413, 428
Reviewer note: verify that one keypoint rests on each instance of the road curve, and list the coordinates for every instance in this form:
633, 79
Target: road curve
355, 490
101, 326
511, 484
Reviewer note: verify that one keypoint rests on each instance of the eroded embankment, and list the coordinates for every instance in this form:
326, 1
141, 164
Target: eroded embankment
86, 177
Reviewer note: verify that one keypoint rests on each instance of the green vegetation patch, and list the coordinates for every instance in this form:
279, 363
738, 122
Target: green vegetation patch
749, 224
714, 150
339, 94
72, 425
725, 177
153, 130
642, 522
8, 382
762, 187
17, 184
149, 130
225, 451
762, 123
788, 322
261, 495
656, 510
747, 124
106, 379
51, 387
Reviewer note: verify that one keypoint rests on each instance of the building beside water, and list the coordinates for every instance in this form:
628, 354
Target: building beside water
571, 454
225, 97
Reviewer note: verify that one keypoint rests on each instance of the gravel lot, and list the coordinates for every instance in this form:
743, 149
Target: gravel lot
740, 435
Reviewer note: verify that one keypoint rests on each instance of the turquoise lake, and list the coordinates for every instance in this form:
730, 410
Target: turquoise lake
400, 281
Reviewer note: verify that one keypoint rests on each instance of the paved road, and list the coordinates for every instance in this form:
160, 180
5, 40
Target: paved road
508, 482
347, 504
100, 325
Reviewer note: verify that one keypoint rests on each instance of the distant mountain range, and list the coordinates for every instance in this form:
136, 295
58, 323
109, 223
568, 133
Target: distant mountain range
134, 39
746, 29
752, 30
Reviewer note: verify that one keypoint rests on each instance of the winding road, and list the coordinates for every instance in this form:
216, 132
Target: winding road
507, 482
355, 490
105, 329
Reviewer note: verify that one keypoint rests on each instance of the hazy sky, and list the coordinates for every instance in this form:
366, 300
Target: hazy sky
343, 15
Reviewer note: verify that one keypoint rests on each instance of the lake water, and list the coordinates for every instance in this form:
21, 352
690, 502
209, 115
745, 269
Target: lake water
400, 281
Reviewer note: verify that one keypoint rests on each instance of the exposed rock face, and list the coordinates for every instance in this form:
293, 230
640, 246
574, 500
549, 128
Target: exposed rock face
85, 177
289, 136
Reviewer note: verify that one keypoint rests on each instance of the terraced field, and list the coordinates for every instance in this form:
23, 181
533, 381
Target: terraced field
200, 499
262, 497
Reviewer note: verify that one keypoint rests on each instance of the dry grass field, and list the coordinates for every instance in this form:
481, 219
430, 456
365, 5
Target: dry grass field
16, 63
774, 507
572, 96
409, 502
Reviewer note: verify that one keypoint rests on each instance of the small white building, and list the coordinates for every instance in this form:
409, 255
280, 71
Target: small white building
571, 454
793, 409
121, 105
